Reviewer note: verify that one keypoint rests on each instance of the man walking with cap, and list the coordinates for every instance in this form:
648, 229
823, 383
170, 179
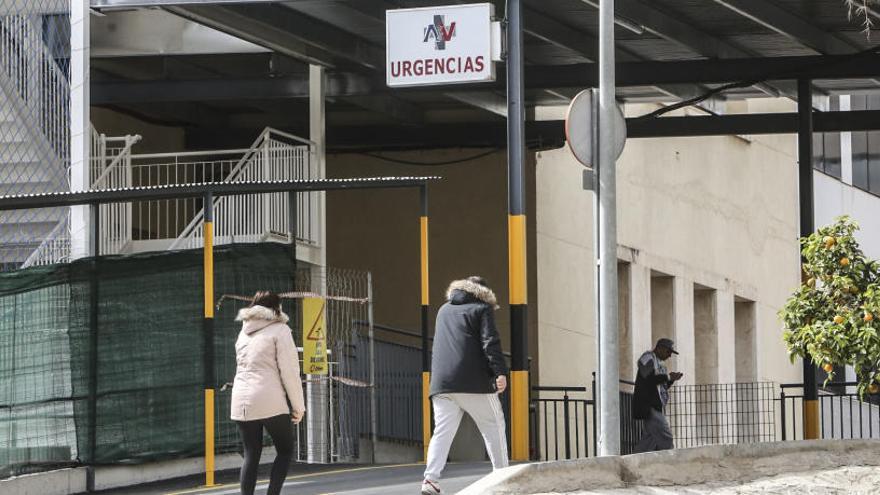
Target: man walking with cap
651, 395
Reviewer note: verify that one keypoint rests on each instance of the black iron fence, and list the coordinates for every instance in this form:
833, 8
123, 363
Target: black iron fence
563, 422
564, 419
842, 413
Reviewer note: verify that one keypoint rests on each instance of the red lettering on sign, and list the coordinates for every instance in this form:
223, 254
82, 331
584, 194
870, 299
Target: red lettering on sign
407, 68
468, 65
395, 69
479, 64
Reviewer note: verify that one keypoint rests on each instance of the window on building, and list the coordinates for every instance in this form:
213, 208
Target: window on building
874, 151
826, 148
859, 147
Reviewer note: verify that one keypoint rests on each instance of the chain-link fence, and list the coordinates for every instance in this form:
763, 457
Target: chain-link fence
34, 120
339, 402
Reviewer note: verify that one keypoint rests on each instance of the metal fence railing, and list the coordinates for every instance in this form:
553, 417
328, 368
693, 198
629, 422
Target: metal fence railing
563, 422
842, 413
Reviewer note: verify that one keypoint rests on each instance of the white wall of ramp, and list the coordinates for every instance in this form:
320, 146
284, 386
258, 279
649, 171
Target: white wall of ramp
721, 463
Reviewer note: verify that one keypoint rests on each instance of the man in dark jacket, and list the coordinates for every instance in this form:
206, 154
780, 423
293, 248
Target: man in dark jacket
651, 395
468, 372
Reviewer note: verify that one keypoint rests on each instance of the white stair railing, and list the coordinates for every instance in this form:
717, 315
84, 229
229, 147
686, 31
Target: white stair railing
55, 248
111, 169
275, 155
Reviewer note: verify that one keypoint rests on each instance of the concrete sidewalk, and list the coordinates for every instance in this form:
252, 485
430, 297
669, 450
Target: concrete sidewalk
324, 480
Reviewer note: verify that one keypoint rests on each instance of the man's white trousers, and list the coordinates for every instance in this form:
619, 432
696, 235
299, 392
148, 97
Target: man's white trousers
485, 409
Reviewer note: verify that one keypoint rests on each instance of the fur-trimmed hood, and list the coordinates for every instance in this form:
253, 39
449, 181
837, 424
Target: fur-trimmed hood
480, 292
259, 317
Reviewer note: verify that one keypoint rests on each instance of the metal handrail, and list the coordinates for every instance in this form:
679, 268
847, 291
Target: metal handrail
539, 388
145, 156
60, 229
830, 384
130, 141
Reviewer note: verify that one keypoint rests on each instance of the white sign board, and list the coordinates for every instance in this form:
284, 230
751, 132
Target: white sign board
439, 45
580, 124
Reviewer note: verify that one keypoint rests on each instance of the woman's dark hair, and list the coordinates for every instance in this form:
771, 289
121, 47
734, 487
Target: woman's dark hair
267, 299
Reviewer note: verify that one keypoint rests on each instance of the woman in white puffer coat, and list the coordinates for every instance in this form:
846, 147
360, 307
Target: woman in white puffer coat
266, 380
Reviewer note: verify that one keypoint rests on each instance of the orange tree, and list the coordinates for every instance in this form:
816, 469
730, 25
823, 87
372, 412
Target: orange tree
833, 318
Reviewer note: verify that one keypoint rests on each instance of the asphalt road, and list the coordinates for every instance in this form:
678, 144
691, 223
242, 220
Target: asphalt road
326, 480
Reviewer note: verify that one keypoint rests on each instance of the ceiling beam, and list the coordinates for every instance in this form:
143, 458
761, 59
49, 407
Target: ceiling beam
754, 123
488, 101
686, 33
339, 84
305, 38
541, 26
815, 67
288, 32
551, 134
778, 19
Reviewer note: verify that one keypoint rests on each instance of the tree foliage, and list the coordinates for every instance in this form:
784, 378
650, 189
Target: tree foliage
833, 318
862, 9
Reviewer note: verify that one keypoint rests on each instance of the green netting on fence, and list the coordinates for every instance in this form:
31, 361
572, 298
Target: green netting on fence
131, 390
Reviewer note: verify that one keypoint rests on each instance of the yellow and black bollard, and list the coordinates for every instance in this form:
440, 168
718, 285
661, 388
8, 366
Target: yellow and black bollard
426, 364
208, 333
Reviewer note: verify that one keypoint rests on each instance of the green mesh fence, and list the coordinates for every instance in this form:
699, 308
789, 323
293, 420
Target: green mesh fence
132, 390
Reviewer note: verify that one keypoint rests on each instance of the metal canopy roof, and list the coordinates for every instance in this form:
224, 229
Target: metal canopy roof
176, 191
734, 40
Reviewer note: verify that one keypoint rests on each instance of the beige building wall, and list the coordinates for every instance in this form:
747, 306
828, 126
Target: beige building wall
717, 213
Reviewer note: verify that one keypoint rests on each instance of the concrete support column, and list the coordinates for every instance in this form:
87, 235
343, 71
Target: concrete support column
625, 310
726, 392
80, 128
683, 308
640, 315
706, 336
726, 325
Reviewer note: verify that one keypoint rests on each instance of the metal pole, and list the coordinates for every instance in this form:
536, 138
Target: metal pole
425, 307
317, 388
609, 397
516, 203
94, 236
805, 193
374, 425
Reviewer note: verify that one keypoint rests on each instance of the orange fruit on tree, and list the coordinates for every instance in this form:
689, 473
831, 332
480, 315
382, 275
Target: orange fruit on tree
828, 367
844, 261
839, 319
868, 316
829, 241
873, 388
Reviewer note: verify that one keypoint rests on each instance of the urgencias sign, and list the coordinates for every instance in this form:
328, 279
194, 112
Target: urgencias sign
441, 45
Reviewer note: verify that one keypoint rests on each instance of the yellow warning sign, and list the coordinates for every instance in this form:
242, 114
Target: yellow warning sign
314, 336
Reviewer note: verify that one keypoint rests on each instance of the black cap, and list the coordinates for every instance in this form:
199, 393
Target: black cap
667, 343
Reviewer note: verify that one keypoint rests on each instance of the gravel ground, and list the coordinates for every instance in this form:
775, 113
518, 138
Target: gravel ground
856, 480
